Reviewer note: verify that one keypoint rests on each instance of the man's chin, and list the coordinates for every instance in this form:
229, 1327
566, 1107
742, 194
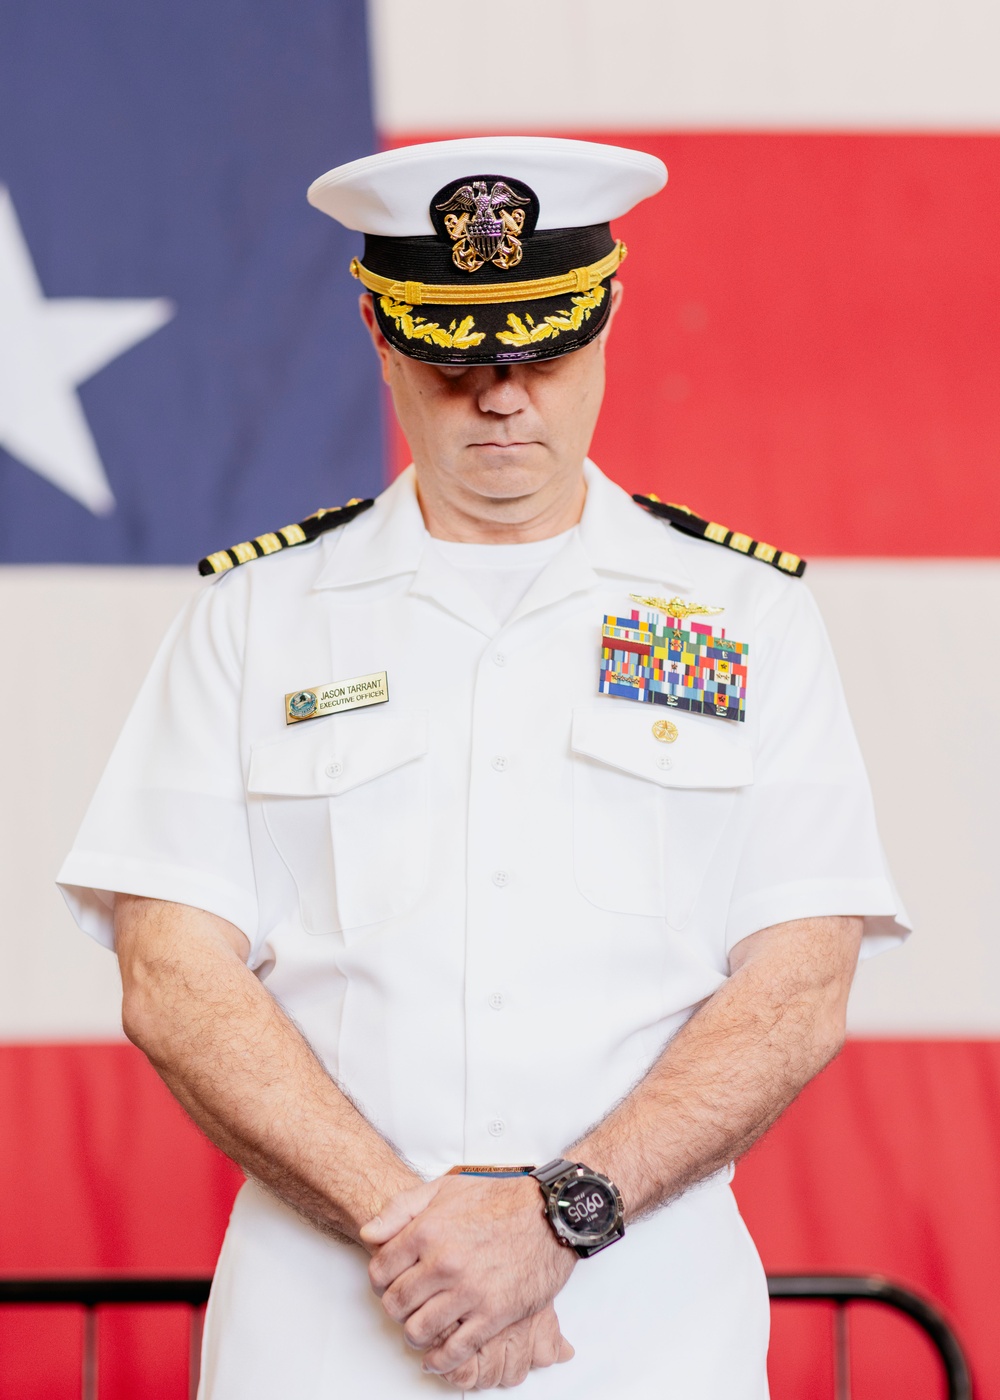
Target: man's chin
507, 470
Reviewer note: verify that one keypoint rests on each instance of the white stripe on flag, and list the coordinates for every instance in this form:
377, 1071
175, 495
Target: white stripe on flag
931, 748
77, 642
567, 65
80, 640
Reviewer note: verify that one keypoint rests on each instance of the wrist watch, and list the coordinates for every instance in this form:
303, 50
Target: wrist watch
584, 1208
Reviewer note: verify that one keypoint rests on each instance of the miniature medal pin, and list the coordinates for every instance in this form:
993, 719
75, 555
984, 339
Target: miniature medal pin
353, 694
675, 607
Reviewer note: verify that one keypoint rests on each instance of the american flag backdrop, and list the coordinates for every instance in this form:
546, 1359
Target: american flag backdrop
808, 351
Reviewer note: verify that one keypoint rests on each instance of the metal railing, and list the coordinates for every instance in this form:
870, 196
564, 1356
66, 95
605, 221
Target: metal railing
110, 1290
839, 1289
844, 1289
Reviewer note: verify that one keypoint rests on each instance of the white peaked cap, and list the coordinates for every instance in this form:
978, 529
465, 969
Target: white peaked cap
578, 183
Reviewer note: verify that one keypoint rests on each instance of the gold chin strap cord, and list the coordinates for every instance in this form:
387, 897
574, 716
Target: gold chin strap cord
580, 279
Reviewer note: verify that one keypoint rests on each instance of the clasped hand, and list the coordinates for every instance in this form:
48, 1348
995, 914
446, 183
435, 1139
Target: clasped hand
470, 1267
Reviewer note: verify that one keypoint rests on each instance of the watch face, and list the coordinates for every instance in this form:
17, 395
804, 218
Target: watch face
586, 1207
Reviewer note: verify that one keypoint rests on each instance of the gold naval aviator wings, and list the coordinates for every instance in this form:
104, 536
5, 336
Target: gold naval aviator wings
684, 519
309, 529
675, 607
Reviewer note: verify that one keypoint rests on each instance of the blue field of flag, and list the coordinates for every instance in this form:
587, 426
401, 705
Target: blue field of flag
181, 360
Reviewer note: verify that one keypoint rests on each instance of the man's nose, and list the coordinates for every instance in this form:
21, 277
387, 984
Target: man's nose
502, 389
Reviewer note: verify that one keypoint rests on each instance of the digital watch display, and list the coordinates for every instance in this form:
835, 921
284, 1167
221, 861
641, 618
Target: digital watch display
584, 1207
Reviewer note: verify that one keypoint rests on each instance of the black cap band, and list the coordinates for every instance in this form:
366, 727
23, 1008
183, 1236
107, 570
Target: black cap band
548, 253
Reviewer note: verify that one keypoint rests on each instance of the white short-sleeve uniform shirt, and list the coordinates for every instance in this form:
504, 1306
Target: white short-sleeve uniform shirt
489, 902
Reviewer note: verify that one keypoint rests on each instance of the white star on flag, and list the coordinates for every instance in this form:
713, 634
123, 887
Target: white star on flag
47, 348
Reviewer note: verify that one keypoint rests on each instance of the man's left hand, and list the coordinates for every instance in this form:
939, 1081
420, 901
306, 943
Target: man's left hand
466, 1253
506, 1359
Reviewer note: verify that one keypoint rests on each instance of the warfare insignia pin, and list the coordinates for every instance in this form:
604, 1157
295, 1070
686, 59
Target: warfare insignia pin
675, 607
353, 694
685, 668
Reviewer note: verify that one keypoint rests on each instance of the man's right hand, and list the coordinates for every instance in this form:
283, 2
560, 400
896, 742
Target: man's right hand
531, 1344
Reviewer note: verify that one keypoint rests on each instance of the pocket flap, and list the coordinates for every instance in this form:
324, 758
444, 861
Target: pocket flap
705, 754
328, 756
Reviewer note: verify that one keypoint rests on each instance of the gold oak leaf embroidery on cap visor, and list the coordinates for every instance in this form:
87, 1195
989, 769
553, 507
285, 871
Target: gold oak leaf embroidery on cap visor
551, 326
416, 328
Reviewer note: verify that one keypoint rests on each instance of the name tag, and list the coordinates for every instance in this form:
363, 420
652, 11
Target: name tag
353, 694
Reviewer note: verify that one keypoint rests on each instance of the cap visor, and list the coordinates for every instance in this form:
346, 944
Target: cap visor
498, 333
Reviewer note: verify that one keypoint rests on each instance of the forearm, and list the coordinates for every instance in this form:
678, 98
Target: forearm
481, 1255
243, 1070
733, 1067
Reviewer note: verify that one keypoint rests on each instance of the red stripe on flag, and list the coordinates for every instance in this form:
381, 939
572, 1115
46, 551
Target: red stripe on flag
887, 1163
101, 1170
809, 350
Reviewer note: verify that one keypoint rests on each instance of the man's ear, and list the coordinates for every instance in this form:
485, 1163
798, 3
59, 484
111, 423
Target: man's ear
617, 292
382, 347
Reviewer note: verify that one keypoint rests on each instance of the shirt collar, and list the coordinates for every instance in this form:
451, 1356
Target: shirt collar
615, 536
391, 540
386, 541
619, 537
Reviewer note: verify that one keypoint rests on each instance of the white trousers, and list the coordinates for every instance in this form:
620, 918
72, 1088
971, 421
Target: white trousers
677, 1309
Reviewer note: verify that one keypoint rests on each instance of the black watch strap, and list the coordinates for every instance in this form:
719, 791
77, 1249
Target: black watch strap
547, 1174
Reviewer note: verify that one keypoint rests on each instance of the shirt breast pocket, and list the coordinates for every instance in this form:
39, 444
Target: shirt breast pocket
647, 815
345, 803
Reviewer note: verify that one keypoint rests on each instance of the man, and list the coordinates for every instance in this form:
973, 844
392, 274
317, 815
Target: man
493, 826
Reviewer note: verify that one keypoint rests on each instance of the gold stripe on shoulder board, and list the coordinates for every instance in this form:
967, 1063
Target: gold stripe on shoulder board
684, 519
274, 540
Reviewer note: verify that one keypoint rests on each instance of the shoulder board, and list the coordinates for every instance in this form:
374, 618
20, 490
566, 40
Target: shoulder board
306, 530
681, 518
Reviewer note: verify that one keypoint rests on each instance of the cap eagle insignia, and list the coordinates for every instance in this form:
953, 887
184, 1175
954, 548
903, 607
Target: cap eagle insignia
487, 229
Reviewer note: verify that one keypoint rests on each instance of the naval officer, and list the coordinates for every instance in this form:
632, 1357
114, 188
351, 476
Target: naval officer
488, 864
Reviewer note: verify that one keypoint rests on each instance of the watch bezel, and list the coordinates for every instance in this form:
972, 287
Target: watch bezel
579, 1241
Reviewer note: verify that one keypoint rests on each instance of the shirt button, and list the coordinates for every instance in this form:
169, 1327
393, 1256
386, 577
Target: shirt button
499, 659
499, 763
664, 761
500, 878
497, 1127
334, 769
496, 1000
